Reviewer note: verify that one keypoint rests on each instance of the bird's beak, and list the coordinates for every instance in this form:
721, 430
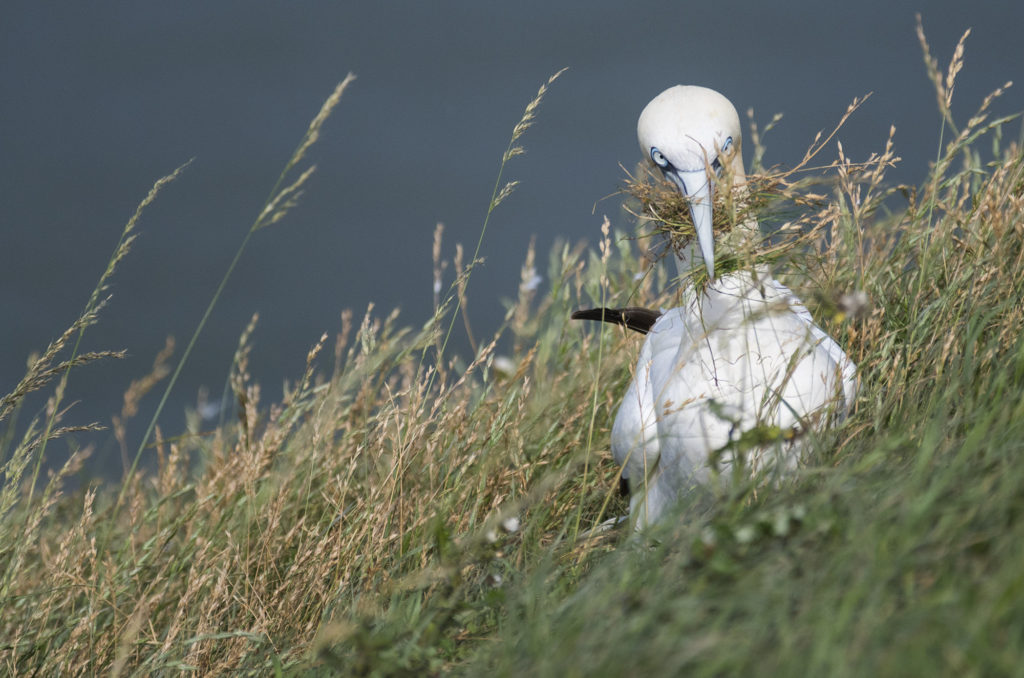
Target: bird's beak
696, 186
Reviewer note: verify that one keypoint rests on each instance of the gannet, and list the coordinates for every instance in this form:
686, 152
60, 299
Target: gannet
739, 371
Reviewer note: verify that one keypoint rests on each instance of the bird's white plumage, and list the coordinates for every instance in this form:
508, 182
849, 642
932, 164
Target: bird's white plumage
738, 356
689, 125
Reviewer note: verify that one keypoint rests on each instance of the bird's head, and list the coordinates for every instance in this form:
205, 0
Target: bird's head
692, 134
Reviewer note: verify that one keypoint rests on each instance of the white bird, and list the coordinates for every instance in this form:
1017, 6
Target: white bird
740, 365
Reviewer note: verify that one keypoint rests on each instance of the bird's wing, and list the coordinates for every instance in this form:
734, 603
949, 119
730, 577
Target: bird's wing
635, 443
827, 343
681, 383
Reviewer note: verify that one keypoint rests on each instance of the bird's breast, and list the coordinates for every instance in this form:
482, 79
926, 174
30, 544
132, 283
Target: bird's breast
735, 357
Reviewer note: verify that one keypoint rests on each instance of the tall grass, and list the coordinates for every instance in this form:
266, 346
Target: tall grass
404, 511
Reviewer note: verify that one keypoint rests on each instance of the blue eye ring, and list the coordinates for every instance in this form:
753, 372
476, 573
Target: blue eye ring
659, 158
716, 164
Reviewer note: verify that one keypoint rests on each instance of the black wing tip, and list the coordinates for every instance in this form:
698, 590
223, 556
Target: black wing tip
634, 317
606, 314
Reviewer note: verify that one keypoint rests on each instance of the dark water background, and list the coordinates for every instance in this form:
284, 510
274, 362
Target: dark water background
99, 100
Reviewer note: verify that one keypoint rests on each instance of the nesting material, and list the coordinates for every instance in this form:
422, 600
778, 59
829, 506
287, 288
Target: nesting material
663, 212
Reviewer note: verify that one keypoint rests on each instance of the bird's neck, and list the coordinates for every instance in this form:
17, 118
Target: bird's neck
739, 291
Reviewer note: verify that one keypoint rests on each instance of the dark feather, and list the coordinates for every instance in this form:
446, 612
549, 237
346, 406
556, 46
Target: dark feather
634, 317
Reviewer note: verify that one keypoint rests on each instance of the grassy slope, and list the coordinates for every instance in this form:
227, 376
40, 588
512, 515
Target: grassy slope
358, 525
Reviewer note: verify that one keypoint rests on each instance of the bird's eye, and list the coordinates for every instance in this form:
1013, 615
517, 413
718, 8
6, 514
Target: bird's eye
659, 159
716, 164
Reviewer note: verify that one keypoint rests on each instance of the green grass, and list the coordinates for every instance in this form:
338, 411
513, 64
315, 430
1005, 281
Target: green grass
361, 524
